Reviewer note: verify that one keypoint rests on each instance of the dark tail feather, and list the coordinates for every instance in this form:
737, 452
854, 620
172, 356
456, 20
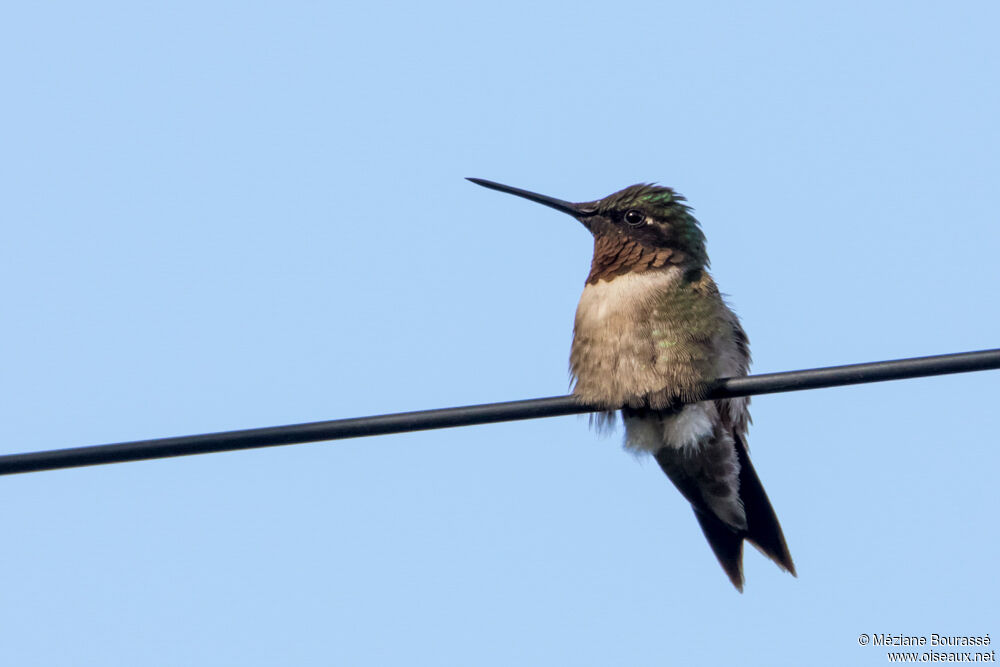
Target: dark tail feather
726, 543
763, 529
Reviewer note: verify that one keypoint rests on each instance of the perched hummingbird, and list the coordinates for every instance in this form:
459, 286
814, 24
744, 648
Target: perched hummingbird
651, 331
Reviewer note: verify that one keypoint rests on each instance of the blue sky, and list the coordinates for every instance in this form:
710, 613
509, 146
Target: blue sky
229, 215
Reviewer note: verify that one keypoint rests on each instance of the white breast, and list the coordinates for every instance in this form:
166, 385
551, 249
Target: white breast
608, 300
611, 342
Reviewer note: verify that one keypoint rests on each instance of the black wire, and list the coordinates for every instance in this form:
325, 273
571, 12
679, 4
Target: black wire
769, 383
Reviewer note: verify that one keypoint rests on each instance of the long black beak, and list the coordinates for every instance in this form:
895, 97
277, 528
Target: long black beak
576, 210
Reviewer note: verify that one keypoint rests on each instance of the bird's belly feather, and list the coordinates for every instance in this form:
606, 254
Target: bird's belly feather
647, 340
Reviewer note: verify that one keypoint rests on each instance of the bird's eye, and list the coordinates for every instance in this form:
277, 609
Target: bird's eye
634, 218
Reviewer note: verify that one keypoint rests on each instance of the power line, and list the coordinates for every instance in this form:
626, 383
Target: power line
488, 413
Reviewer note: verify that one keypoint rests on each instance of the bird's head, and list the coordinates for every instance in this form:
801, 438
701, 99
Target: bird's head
651, 217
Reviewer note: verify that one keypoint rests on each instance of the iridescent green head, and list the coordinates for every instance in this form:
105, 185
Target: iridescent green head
653, 216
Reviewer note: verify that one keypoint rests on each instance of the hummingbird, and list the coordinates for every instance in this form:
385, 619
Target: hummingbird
651, 332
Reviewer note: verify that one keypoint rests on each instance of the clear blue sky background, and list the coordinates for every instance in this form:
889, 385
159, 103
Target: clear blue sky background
228, 215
